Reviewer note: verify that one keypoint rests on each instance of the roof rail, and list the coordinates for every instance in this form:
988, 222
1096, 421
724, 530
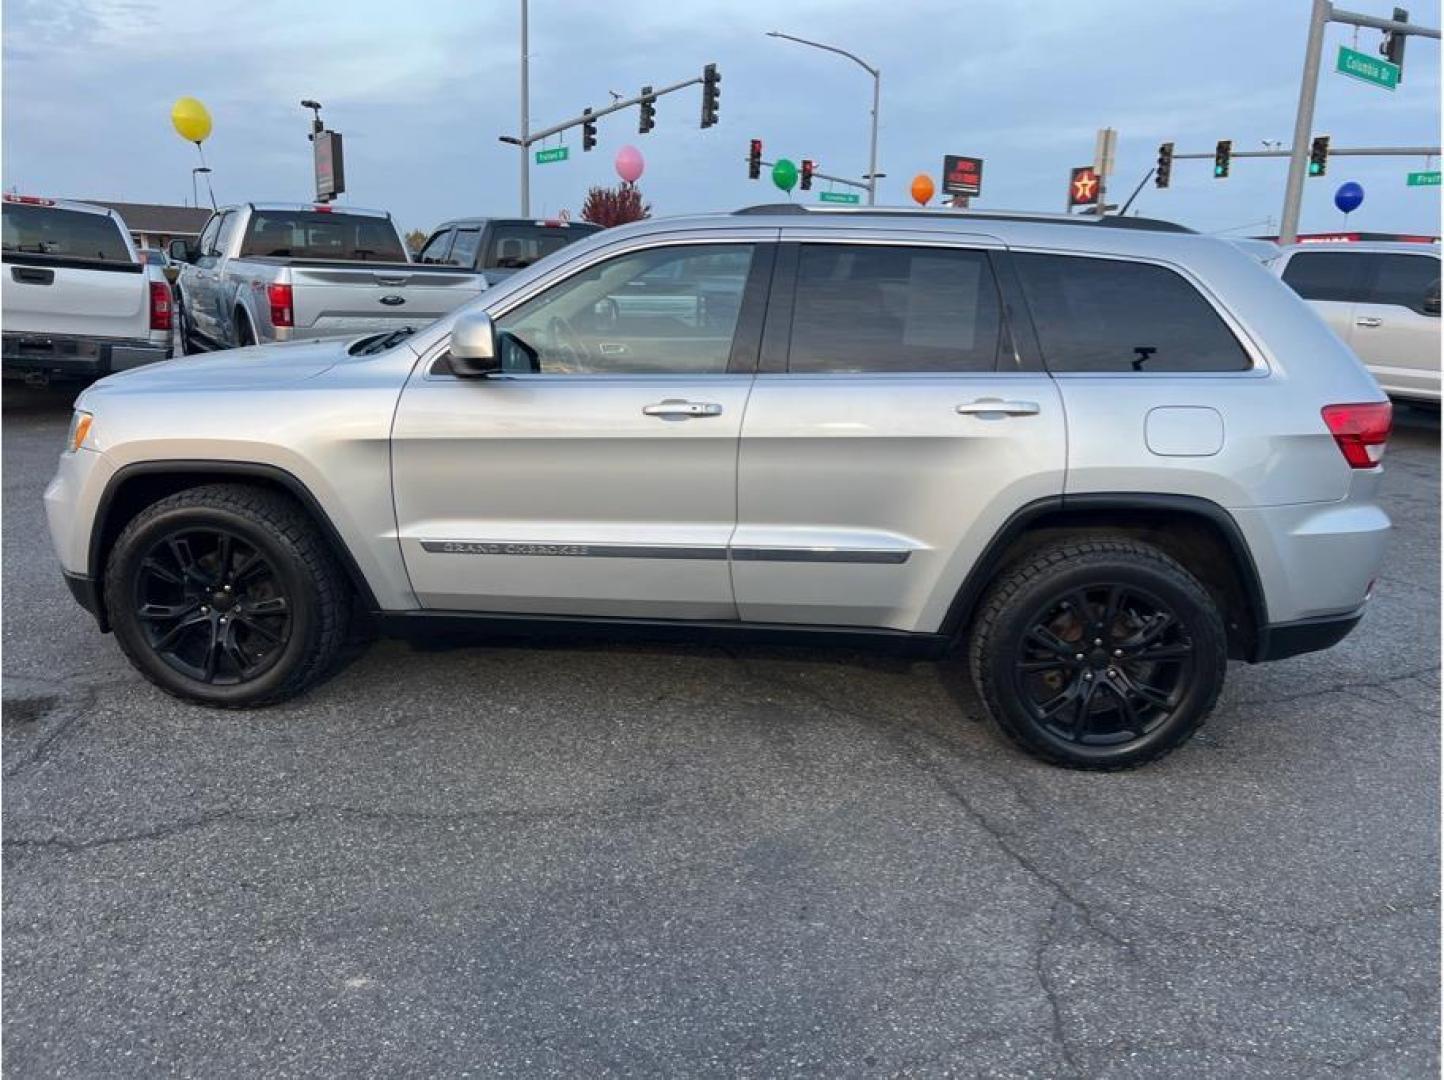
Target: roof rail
794, 209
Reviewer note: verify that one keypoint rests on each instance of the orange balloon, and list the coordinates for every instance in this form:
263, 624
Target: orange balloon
922, 188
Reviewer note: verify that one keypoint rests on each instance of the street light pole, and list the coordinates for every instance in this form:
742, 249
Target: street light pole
525, 145
876, 100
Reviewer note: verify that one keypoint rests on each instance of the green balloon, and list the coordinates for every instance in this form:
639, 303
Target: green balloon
784, 174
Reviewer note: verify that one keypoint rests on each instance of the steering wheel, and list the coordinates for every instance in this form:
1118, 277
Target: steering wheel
570, 350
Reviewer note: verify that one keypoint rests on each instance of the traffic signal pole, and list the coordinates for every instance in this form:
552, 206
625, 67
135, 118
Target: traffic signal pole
524, 142
1322, 13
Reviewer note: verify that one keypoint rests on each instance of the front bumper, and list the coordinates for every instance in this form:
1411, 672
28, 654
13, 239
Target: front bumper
86, 591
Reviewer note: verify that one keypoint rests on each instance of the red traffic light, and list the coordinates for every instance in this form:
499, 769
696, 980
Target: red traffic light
807, 167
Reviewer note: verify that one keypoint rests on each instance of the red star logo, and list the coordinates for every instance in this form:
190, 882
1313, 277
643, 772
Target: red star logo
1085, 184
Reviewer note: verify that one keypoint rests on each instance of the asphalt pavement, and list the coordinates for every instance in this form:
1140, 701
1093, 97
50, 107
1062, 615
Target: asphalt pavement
596, 860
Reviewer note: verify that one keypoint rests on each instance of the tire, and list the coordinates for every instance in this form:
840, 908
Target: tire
184, 344
275, 631
1075, 661
244, 335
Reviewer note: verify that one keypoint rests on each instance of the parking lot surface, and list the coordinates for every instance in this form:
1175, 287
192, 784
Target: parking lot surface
644, 860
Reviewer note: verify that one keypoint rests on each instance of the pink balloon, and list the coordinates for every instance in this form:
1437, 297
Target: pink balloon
629, 164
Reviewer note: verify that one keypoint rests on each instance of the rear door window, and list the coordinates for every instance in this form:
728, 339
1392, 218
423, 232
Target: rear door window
1107, 315
864, 308
1326, 275
322, 234
1404, 280
515, 247
62, 234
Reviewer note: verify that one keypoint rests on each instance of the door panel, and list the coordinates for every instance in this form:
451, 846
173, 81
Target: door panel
603, 479
1400, 347
893, 432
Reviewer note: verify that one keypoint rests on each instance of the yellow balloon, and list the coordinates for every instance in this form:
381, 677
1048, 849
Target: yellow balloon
190, 119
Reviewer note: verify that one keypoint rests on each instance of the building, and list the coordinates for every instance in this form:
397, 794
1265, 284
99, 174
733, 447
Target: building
155, 224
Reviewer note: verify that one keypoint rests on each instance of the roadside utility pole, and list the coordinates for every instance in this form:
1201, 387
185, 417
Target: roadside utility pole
1322, 14
525, 143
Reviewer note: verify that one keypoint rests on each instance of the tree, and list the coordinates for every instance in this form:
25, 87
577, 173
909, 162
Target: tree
615, 206
415, 240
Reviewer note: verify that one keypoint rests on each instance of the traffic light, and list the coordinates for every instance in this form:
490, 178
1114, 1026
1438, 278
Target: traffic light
711, 92
649, 112
589, 130
1165, 165
754, 160
1319, 156
807, 167
1221, 154
1392, 49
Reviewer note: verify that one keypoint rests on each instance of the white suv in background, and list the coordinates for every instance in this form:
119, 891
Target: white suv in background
1381, 298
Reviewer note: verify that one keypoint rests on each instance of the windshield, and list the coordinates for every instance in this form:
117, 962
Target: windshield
44, 230
320, 234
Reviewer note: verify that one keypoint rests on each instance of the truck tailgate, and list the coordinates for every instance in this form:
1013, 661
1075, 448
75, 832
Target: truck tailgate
92, 300
338, 300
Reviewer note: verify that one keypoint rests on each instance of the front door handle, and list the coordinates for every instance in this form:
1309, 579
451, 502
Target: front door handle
677, 409
1368, 320
998, 407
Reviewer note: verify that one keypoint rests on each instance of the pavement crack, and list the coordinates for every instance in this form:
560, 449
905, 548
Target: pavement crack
1046, 939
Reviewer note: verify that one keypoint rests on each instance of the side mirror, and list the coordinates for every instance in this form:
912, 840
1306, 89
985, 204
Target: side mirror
473, 346
180, 251
1431, 304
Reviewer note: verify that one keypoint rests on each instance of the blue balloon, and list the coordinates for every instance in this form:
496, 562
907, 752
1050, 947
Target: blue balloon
1349, 197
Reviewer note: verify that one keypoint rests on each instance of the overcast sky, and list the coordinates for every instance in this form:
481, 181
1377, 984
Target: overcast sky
421, 91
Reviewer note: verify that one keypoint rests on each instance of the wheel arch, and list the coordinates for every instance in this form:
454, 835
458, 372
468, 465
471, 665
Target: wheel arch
1199, 533
138, 485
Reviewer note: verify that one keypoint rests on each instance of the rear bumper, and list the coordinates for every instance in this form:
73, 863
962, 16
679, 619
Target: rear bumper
66, 356
1282, 640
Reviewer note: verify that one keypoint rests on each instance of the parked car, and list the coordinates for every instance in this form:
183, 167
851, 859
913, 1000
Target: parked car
157, 257
1105, 456
263, 272
78, 301
499, 247
1381, 298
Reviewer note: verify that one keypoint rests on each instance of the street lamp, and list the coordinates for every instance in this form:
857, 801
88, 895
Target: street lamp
195, 200
872, 173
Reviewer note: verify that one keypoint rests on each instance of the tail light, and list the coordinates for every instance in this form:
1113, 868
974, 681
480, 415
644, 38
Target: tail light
160, 301
1361, 431
280, 300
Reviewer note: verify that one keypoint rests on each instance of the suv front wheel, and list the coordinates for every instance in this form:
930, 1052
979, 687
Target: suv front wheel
227, 595
1098, 654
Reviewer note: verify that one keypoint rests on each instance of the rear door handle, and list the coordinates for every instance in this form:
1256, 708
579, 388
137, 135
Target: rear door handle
677, 409
29, 275
998, 407
1368, 320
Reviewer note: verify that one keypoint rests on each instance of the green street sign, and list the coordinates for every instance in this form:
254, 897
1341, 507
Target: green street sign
1424, 179
840, 197
1366, 68
545, 157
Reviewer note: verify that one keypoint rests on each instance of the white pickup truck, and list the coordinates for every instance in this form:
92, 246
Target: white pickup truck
263, 272
78, 302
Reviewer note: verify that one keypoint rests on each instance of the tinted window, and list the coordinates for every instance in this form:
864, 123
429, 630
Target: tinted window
463, 251
513, 247
866, 308
229, 224
1403, 279
671, 309
1326, 275
1110, 315
320, 234
208, 235
437, 247
70, 234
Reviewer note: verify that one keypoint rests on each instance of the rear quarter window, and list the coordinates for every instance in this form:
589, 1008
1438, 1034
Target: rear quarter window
63, 234
1110, 315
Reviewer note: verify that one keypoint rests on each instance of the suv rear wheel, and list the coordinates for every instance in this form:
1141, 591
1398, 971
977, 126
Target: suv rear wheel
1101, 654
227, 595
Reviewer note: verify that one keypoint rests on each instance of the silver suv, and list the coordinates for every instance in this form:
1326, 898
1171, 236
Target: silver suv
1102, 457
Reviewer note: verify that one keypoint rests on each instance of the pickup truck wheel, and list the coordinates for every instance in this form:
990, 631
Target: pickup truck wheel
184, 342
1103, 654
244, 335
226, 595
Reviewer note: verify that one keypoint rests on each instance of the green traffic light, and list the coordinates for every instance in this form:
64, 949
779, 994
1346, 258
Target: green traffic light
1314, 169
1218, 170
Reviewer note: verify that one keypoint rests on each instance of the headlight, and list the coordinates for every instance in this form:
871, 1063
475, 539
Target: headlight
79, 431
